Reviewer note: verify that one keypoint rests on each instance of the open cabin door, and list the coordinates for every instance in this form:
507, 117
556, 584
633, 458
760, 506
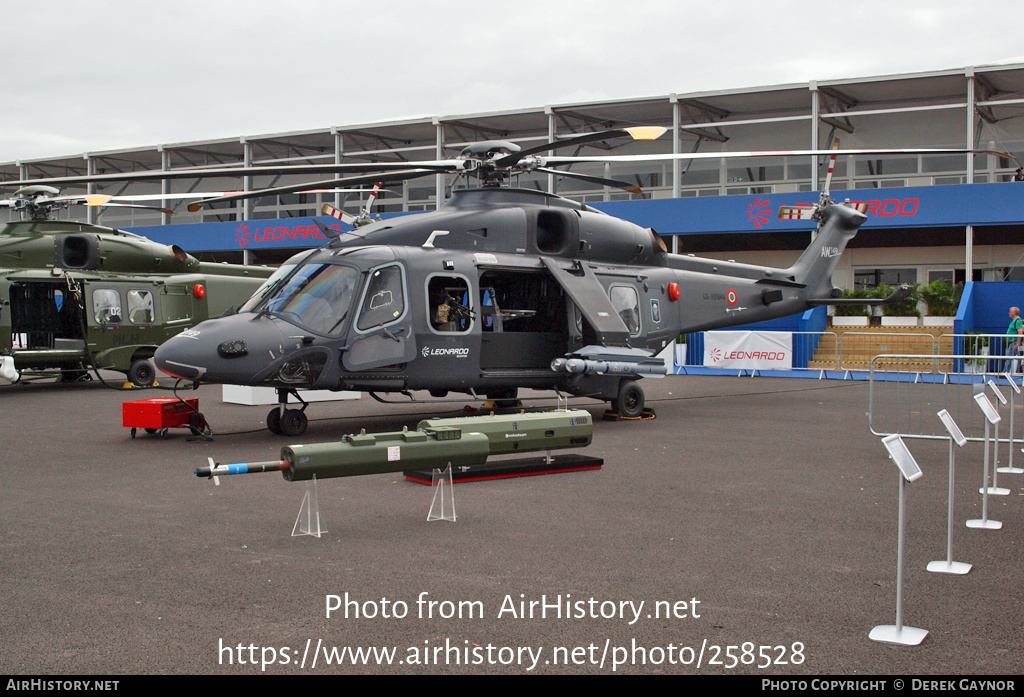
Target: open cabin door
582, 286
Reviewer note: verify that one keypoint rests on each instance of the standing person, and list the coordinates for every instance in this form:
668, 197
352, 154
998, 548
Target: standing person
1018, 176
1014, 332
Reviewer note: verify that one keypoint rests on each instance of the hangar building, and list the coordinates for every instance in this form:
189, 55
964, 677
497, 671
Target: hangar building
930, 216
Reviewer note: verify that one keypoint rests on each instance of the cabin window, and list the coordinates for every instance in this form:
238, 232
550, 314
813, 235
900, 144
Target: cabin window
449, 304
384, 300
106, 306
140, 307
627, 304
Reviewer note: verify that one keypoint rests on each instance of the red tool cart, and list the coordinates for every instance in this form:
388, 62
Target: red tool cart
161, 413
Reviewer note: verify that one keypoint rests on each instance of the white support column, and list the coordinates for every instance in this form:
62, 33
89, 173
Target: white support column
246, 212
439, 153
677, 165
339, 154
969, 237
551, 139
815, 118
677, 147
90, 188
165, 184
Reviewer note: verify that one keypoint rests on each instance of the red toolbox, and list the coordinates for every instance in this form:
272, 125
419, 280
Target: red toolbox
161, 413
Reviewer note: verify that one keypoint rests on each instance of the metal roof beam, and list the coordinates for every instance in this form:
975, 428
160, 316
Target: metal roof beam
842, 101
587, 120
704, 108
477, 128
842, 124
746, 122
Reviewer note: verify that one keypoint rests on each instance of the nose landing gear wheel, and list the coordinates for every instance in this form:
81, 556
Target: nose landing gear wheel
293, 423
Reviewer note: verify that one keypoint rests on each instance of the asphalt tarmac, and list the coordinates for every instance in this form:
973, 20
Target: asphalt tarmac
755, 519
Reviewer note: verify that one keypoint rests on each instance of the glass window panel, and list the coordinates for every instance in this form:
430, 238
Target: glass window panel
140, 307
106, 306
384, 301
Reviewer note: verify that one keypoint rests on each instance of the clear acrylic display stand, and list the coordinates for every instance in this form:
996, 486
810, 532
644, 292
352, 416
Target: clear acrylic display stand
1014, 390
949, 566
909, 471
308, 520
995, 489
991, 417
442, 506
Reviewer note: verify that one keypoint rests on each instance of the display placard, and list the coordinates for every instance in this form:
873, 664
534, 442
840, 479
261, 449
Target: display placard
986, 406
952, 428
901, 456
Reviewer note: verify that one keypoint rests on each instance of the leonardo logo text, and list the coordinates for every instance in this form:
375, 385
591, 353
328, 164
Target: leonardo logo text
457, 352
763, 355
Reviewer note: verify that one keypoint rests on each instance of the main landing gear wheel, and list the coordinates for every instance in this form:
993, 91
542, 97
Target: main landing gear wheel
293, 423
142, 373
630, 402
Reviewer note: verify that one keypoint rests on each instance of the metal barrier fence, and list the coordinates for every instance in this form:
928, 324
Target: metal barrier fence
948, 354
856, 349
902, 399
811, 350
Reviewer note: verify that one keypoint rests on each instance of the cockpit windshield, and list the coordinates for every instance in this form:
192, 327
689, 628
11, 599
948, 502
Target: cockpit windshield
317, 297
267, 286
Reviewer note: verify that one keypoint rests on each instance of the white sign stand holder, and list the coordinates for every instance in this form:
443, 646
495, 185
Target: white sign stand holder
897, 633
949, 566
991, 417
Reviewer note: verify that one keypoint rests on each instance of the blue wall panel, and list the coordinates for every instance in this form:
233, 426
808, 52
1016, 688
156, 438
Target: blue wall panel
926, 206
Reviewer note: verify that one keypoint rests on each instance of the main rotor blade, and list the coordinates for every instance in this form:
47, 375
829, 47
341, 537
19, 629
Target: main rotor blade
556, 160
214, 194
434, 167
365, 179
636, 133
631, 188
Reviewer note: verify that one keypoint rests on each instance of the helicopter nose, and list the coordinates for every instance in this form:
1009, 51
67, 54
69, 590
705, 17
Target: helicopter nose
228, 349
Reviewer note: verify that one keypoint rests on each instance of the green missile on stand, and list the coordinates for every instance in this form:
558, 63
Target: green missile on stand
436, 443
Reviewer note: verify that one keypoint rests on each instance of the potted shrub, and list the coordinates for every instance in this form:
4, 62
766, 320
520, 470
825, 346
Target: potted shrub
852, 315
942, 299
901, 314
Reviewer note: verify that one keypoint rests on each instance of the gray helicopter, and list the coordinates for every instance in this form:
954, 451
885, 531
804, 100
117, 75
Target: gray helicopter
499, 289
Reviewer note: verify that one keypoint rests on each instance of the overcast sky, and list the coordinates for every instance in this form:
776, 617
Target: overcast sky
91, 76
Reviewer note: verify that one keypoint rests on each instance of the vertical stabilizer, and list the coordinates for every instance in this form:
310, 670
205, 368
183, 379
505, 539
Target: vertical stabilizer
814, 268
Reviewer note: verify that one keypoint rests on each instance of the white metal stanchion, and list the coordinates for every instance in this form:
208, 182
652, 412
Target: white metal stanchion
442, 505
995, 489
1014, 390
909, 471
991, 417
308, 520
949, 566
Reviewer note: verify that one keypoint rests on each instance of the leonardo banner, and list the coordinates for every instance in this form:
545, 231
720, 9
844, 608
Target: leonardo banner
749, 350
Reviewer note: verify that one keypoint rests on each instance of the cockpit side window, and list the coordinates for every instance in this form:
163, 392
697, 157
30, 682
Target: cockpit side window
318, 297
384, 300
626, 303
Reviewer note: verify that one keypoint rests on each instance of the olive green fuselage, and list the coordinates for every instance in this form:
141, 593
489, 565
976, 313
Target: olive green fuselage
74, 296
